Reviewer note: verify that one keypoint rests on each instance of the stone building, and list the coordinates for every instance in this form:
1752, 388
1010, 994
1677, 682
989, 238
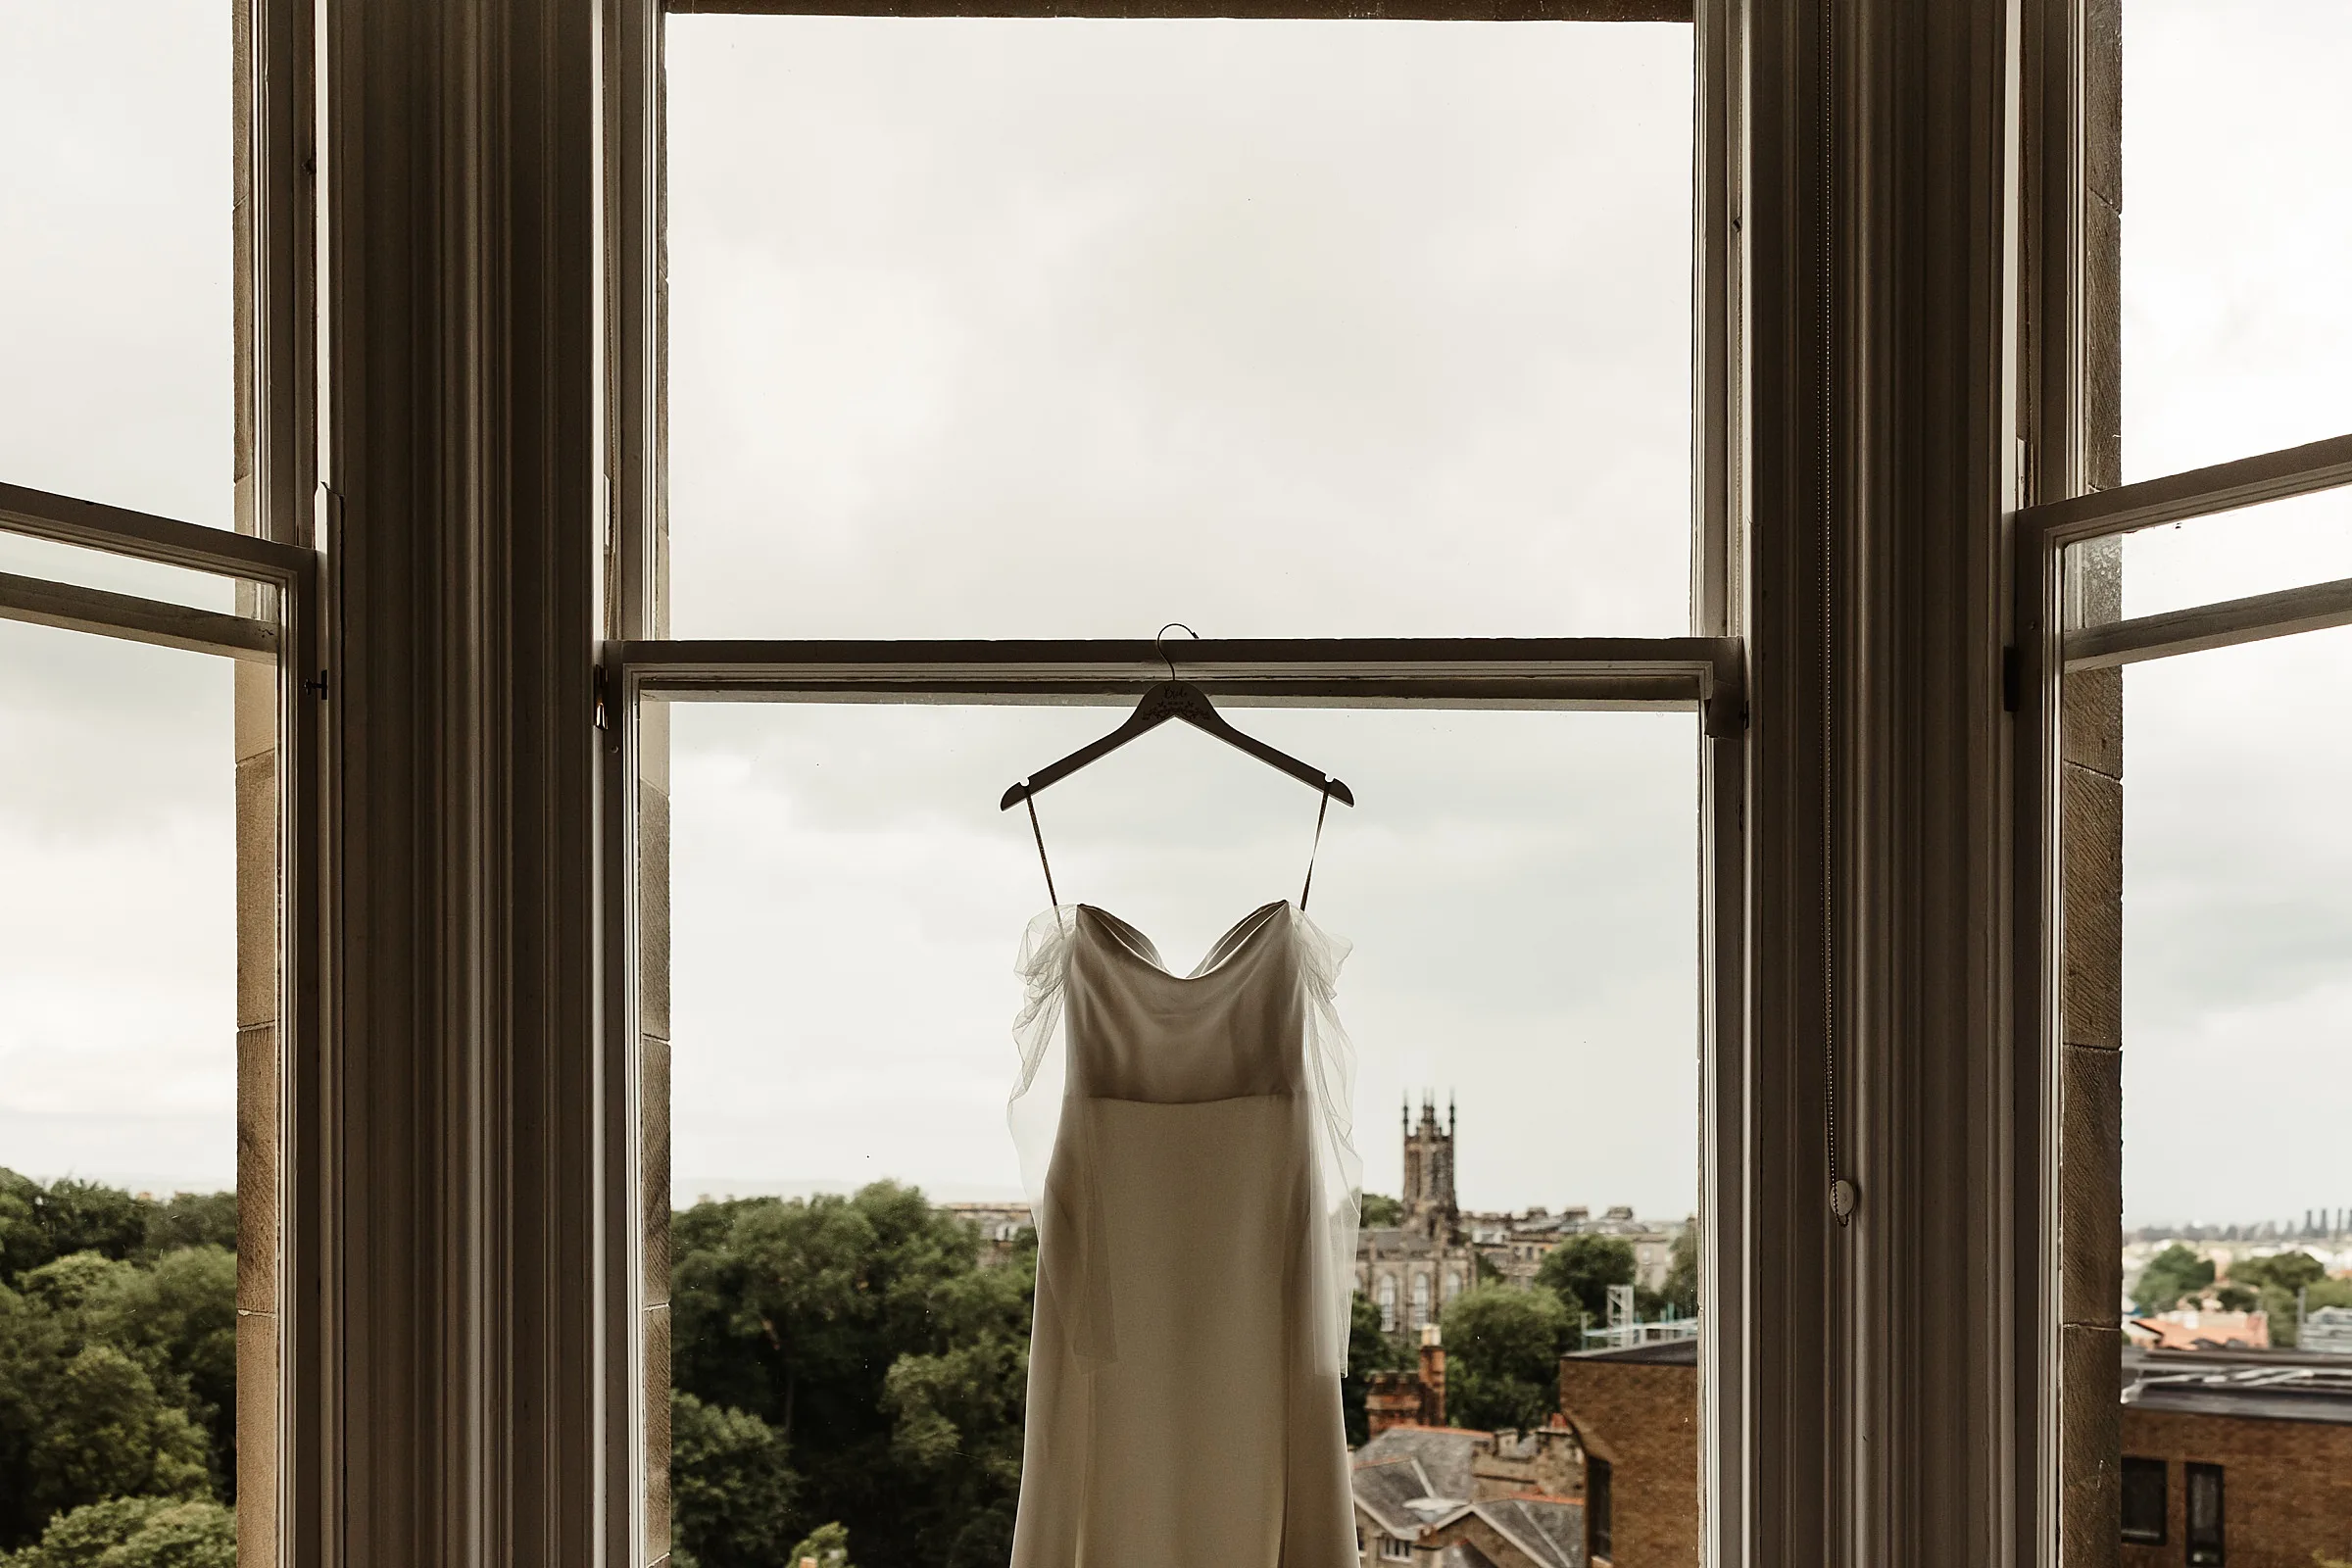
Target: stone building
1411, 1269
1435, 1252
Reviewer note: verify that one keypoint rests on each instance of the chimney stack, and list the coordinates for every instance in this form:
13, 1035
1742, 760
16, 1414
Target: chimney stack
1432, 1377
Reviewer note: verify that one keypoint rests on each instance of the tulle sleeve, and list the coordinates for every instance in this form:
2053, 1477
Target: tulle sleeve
1339, 1172
1035, 1110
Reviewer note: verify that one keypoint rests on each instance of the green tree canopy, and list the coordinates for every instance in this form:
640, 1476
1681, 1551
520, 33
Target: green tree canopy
827, 1545
865, 1334
1503, 1357
136, 1533
2288, 1271
731, 1487
1381, 1210
2172, 1274
1370, 1350
1581, 1270
1681, 1295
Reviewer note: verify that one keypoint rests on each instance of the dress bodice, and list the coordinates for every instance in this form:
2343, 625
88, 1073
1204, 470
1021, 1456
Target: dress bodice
1229, 1029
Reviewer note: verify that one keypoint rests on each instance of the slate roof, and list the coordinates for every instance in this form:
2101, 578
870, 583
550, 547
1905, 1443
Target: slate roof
1443, 1452
1660, 1352
1550, 1530
1462, 1554
2265, 1385
1407, 1465
1385, 1486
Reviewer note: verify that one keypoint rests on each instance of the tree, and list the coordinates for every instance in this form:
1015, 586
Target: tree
136, 1533
1581, 1270
1381, 1210
1680, 1293
1503, 1357
2169, 1275
38, 1224
827, 1545
192, 1219
731, 1490
1370, 1350
865, 1332
178, 1320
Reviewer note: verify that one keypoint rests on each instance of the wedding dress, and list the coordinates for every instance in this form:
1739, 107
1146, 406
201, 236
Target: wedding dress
1188, 1156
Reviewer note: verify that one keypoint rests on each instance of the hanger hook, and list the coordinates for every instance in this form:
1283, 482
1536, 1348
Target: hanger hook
1161, 634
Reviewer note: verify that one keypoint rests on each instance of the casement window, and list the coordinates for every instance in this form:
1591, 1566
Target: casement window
2186, 573
1393, 1548
2144, 1501
157, 624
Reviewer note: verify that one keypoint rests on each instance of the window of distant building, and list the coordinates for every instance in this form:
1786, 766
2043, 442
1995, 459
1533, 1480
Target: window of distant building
1396, 1551
1420, 1299
2204, 1515
1596, 1507
1387, 1304
2144, 1501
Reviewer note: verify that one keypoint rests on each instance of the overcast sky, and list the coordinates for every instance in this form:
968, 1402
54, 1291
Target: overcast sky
1059, 328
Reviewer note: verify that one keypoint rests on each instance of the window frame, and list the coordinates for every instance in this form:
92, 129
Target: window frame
1703, 672
2207, 1547
2144, 1533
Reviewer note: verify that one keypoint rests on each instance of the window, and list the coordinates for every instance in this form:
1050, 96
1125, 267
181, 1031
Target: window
2201, 581
1598, 1530
1007, 329
1073, 327
2144, 1501
1394, 1549
2204, 1487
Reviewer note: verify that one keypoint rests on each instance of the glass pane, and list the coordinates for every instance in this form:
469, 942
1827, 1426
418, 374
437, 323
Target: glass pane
2236, 907
1070, 329
23, 556
115, 278
2237, 332
118, 1147
2232, 555
1522, 991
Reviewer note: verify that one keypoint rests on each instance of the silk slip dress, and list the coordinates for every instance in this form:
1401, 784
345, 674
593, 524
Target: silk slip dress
1186, 1144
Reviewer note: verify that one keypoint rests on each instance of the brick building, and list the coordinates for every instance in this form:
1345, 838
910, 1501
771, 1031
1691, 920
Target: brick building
1635, 1414
2236, 1458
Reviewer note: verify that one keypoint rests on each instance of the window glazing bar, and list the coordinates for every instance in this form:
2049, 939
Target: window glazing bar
39, 602
1607, 672
1249, 9
2314, 607
2196, 493
143, 536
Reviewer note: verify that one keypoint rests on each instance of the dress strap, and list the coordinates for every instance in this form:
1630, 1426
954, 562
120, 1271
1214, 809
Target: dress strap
1320, 812
1030, 801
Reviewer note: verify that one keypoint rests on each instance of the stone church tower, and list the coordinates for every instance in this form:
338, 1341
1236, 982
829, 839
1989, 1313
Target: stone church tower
1427, 1199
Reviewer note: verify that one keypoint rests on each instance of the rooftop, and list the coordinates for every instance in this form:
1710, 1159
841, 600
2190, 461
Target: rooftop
2263, 1384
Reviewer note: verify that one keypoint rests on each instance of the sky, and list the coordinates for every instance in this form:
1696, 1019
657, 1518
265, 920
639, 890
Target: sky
1279, 330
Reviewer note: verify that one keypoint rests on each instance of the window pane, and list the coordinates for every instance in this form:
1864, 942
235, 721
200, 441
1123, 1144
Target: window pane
846, 901
118, 1040
24, 557
115, 277
2232, 555
2237, 332
2236, 949
2144, 1501
1065, 328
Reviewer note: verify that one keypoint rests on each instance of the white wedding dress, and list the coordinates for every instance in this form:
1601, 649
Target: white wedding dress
1186, 1144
